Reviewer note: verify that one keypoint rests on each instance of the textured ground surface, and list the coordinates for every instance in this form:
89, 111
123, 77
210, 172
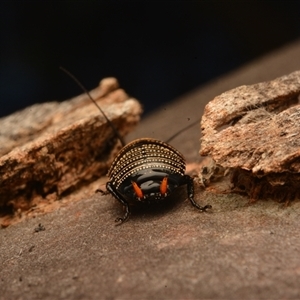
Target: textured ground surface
235, 251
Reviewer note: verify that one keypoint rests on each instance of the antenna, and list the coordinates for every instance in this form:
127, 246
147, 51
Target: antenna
182, 130
102, 112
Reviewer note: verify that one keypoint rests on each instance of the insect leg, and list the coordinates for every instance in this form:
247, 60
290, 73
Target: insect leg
190, 190
112, 190
102, 192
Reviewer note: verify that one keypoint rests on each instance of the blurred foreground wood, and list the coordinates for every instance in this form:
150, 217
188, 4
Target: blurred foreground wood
49, 150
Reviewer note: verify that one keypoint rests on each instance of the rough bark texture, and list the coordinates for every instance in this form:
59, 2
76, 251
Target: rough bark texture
262, 143
49, 150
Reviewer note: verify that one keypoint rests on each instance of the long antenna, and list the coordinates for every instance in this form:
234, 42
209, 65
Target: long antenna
102, 112
182, 130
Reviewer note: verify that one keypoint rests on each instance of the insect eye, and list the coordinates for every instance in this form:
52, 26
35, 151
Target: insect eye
138, 191
164, 186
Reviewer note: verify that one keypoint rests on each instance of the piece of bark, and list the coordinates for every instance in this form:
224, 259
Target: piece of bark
48, 150
255, 131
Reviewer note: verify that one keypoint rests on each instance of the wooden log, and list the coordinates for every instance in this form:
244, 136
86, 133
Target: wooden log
255, 131
49, 150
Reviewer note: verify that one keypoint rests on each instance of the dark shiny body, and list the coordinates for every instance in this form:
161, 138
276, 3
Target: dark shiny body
147, 162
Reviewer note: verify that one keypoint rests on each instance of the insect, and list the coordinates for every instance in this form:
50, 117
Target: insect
145, 170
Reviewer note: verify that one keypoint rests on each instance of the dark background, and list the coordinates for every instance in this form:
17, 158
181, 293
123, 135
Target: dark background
157, 50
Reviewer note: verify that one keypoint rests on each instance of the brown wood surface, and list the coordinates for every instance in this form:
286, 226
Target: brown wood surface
50, 150
237, 251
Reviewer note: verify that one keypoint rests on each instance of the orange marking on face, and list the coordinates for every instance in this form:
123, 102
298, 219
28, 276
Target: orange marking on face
164, 186
138, 191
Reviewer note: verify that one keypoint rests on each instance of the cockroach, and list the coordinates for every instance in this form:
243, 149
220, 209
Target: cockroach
145, 170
